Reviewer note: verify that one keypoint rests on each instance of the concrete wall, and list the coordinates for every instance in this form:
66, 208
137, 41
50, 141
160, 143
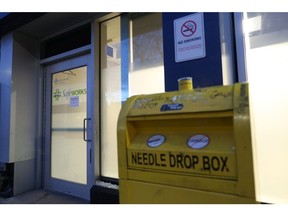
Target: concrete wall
5, 97
19, 108
23, 99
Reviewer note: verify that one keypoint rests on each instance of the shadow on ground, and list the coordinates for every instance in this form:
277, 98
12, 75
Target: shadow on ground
43, 197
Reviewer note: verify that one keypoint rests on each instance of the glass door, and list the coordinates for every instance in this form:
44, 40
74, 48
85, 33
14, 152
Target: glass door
68, 126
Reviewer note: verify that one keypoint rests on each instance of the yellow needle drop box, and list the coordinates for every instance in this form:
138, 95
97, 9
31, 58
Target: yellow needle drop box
191, 146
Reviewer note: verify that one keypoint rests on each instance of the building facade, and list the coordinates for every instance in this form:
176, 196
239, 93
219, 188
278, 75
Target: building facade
65, 76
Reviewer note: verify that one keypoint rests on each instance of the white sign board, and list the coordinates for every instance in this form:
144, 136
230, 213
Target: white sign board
189, 37
74, 101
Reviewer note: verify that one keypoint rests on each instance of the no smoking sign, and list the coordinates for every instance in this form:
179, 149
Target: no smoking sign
189, 37
188, 28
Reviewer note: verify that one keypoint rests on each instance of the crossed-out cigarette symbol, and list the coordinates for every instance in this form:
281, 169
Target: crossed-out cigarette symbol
188, 28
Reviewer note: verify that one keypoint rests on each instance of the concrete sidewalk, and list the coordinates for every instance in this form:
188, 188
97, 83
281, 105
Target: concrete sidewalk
43, 197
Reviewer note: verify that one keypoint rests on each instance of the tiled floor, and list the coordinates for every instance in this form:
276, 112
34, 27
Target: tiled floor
43, 197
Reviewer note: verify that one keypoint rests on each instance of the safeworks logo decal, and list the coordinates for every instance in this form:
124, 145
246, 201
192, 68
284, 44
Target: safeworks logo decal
57, 94
67, 93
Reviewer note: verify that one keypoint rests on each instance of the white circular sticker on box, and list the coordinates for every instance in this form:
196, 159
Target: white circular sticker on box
198, 141
156, 140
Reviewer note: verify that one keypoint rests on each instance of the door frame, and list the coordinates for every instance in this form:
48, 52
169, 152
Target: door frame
79, 60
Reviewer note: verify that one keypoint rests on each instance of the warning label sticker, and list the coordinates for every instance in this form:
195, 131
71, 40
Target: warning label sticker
198, 141
156, 140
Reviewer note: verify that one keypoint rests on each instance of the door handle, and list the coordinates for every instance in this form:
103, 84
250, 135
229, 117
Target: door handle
84, 129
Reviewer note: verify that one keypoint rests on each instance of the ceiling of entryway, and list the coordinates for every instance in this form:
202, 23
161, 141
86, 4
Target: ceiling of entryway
55, 22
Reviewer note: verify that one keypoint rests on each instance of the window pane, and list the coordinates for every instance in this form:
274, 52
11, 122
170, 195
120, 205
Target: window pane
68, 150
267, 63
71, 40
146, 73
110, 95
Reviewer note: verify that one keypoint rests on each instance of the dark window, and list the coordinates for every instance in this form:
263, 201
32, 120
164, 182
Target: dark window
71, 40
109, 51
